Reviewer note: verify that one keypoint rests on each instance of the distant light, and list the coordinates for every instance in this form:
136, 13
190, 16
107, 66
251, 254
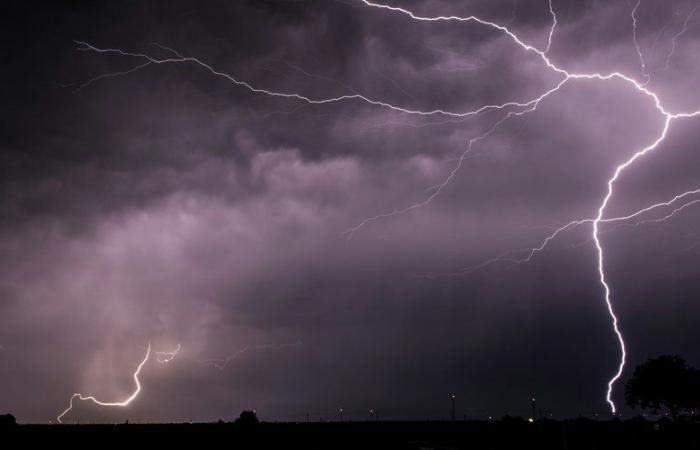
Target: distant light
530, 420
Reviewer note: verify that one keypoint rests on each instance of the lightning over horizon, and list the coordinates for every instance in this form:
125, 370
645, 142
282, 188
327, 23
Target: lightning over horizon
492, 199
119, 404
525, 107
161, 357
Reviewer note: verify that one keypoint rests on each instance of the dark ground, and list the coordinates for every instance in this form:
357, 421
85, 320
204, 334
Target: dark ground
574, 434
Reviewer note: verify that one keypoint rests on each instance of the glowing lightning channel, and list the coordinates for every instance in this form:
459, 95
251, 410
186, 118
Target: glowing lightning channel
533, 251
526, 106
119, 404
437, 189
601, 270
641, 87
529, 107
552, 28
636, 42
84, 46
166, 357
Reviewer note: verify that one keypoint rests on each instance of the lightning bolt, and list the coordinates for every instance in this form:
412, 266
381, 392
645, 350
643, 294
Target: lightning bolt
126, 402
640, 87
552, 28
601, 266
512, 109
84, 46
438, 188
636, 42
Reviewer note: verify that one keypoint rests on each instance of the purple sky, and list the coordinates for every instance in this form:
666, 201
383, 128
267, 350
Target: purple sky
173, 206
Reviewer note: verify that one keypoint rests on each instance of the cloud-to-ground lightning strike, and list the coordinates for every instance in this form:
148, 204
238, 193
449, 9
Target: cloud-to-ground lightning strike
221, 363
167, 356
668, 117
122, 403
512, 109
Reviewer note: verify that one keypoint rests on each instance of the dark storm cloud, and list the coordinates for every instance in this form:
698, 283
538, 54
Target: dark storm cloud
173, 206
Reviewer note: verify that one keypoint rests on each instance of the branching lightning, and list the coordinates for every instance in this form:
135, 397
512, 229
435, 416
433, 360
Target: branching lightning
510, 256
511, 109
166, 357
137, 383
641, 87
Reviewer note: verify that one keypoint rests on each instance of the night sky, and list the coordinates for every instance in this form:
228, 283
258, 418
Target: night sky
175, 206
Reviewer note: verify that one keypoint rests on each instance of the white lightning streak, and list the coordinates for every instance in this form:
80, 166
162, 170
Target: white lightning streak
166, 357
552, 28
119, 404
529, 106
437, 189
533, 251
87, 83
487, 23
525, 107
641, 87
669, 215
188, 59
601, 270
636, 42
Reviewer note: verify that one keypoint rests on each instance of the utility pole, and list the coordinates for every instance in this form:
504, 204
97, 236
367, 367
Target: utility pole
341, 414
452, 411
533, 408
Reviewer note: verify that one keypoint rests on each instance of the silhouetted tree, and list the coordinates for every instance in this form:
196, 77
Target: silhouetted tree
247, 418
666, 381
7, 419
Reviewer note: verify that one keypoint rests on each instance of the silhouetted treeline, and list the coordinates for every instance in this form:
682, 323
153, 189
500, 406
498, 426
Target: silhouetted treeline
7, 419
513, 433
665, 382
